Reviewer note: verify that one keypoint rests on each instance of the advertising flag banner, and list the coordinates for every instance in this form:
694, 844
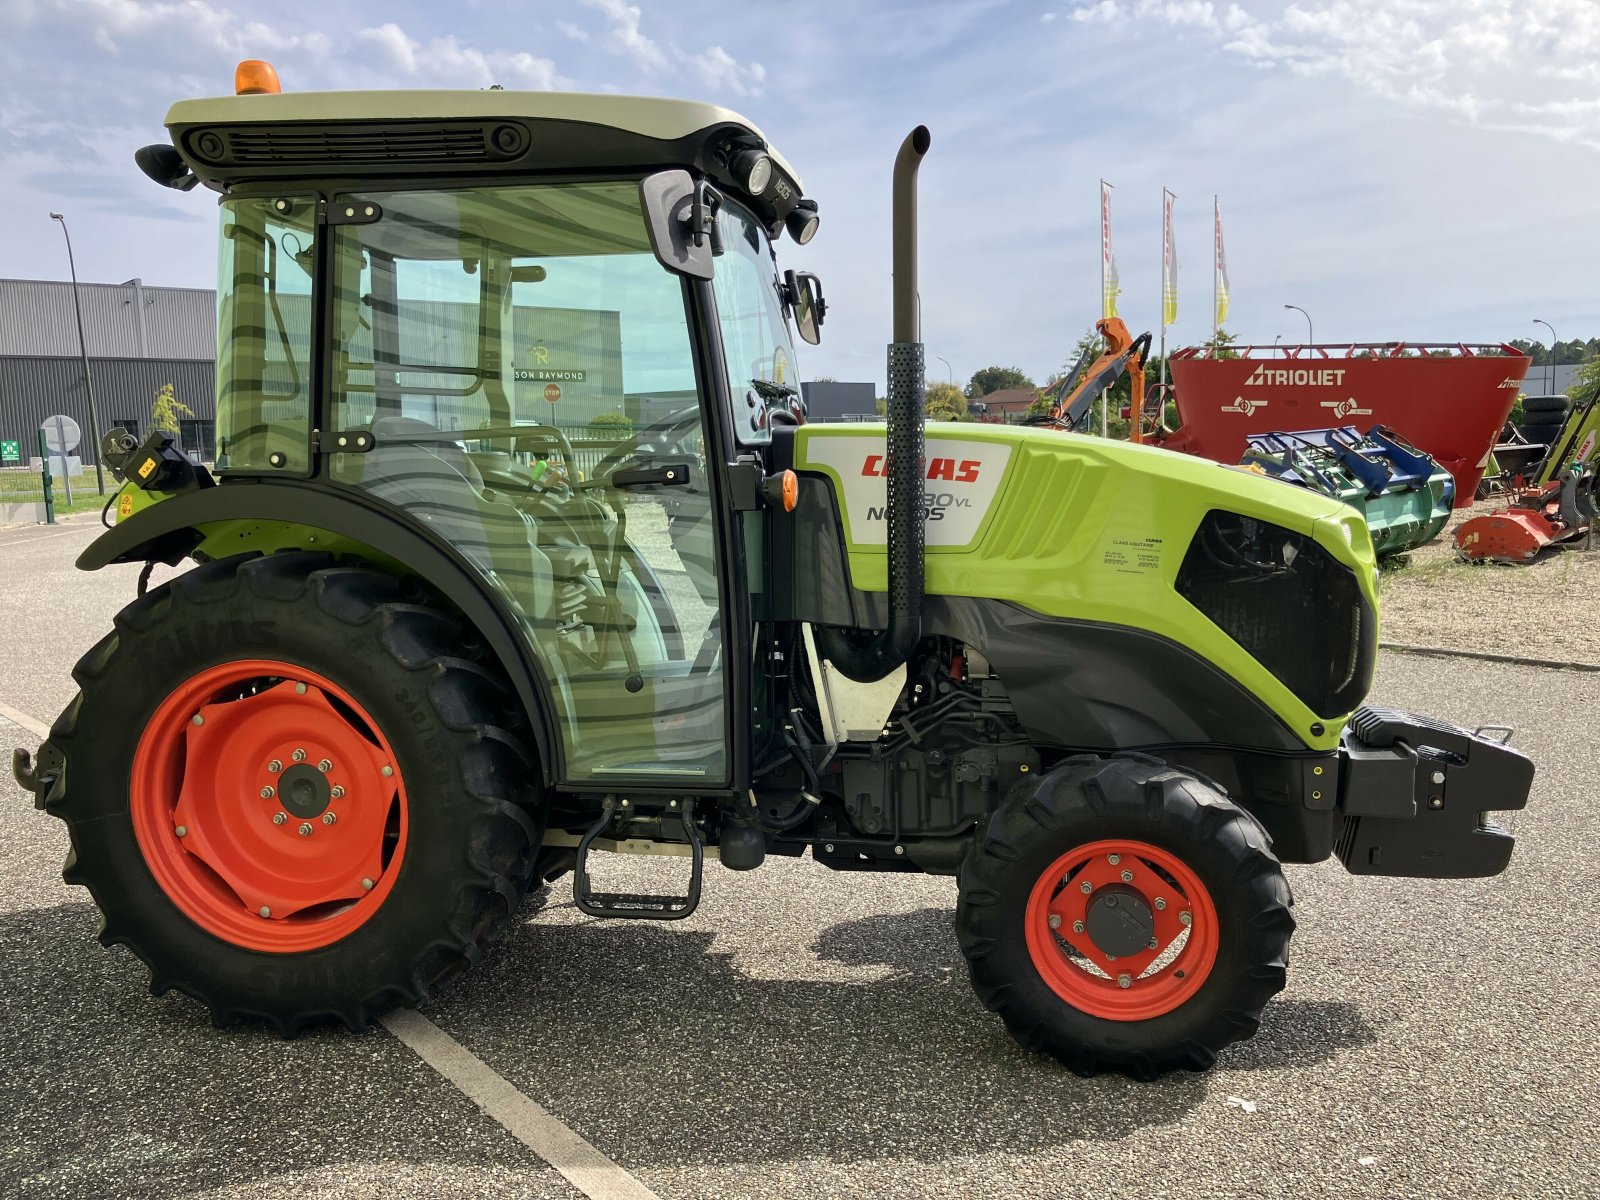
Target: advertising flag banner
1221, 279
1109, 287
1169, 262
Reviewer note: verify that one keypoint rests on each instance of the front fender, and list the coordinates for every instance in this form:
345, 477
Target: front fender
246, 515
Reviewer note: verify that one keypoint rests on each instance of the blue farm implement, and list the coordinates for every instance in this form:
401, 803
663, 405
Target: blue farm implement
1405, 495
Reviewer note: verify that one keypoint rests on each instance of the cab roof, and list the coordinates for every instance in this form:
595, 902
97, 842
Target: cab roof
253, 134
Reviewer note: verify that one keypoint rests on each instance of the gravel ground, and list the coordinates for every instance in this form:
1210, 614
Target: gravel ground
812, 1034
1545, 609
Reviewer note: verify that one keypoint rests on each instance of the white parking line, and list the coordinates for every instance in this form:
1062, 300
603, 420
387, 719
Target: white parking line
24, 720
588, 1170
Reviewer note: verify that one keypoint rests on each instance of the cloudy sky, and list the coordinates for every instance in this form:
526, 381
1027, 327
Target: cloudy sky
1418, 169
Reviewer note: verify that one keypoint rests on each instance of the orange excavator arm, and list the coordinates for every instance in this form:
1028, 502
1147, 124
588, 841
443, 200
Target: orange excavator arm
1123, 354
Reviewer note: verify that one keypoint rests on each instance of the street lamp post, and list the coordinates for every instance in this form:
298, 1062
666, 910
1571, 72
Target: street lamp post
1550, 375
1310, 337
948, 372
83, 350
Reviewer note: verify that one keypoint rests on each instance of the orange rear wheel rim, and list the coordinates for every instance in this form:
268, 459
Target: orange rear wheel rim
268, 806
1156, 979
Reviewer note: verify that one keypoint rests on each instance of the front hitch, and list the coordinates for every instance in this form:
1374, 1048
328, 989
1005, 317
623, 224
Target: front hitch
1417, 795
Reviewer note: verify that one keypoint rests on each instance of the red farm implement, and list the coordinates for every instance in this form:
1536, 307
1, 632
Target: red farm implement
1449, 400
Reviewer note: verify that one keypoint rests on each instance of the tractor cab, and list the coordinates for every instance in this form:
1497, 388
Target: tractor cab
487, 326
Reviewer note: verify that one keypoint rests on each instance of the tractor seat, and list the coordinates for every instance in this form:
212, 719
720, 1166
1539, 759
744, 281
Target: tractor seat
438, 484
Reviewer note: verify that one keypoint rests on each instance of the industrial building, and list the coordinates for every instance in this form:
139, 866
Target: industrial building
139, 339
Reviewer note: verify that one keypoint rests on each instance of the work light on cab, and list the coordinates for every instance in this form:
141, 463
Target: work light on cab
755, 168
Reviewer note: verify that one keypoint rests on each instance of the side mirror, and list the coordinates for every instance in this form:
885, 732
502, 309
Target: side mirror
680, 215
805, 300
162, 163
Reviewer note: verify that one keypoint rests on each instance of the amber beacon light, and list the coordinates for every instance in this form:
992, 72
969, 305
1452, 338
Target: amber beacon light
253, 77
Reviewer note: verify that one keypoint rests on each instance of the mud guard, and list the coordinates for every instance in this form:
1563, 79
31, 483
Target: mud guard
170, 531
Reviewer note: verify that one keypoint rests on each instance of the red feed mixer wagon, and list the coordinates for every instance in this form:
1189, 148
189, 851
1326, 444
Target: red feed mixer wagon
1450, 400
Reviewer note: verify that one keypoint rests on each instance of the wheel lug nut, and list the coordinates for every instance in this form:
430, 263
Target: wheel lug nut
299, 689
1086, 887
198, 719
182, 831
1124, 981
275, 765
1113, 859
1055, 921
264, 911
329, 818
279, 818
1077, 927
1127, 877
367, 883
267, 793
388, 771
324, 766
1161, 904
1184, 918
298, 756
338, 792
305, 828
1154, 943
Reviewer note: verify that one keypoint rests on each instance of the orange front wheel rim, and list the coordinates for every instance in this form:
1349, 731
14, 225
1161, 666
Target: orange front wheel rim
1122, 930
268, 806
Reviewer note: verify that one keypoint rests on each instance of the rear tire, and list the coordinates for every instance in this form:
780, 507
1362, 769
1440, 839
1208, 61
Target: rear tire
234, 700
1547, 404
1194, 867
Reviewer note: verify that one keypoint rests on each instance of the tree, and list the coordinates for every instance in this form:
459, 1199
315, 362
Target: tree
945, 402
167, 409
995, 379
614, 425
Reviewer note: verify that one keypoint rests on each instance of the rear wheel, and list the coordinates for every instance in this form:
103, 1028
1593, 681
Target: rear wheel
1125, 916
293, 793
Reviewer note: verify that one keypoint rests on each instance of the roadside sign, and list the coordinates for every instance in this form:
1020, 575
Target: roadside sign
61, 434
10, 452
552, 392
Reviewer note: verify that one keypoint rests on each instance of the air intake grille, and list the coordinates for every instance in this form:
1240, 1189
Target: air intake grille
1296, 609
397, 143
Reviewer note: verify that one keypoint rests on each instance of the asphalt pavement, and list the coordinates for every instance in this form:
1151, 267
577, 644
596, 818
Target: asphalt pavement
811, 1034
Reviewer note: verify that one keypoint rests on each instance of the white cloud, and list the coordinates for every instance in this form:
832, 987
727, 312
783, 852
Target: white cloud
714, 66
719, 70
575, 32
446, 62
1490, 62
626, 38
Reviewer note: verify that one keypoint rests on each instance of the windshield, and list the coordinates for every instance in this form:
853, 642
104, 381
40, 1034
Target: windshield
755, 337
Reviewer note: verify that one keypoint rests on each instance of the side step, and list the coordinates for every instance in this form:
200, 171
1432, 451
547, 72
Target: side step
629, 904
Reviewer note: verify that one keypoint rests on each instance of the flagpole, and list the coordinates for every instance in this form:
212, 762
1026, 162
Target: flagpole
1216, 223
1166, 251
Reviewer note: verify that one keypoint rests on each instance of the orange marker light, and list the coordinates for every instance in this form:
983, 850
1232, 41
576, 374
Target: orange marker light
791, 491
253, 77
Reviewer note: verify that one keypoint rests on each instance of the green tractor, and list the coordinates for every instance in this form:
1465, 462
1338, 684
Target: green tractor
518, 553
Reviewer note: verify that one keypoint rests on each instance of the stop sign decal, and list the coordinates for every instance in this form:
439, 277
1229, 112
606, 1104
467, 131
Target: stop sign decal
552, 392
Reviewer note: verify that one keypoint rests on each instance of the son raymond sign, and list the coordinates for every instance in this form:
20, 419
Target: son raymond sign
1449, 400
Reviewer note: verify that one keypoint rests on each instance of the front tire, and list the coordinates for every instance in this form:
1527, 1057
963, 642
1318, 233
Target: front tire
1121, 915
293, 792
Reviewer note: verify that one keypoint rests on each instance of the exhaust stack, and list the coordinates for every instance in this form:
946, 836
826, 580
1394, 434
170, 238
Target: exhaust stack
871, 660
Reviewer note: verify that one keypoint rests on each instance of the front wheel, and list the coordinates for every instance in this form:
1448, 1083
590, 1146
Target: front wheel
294, 790
1122, 915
